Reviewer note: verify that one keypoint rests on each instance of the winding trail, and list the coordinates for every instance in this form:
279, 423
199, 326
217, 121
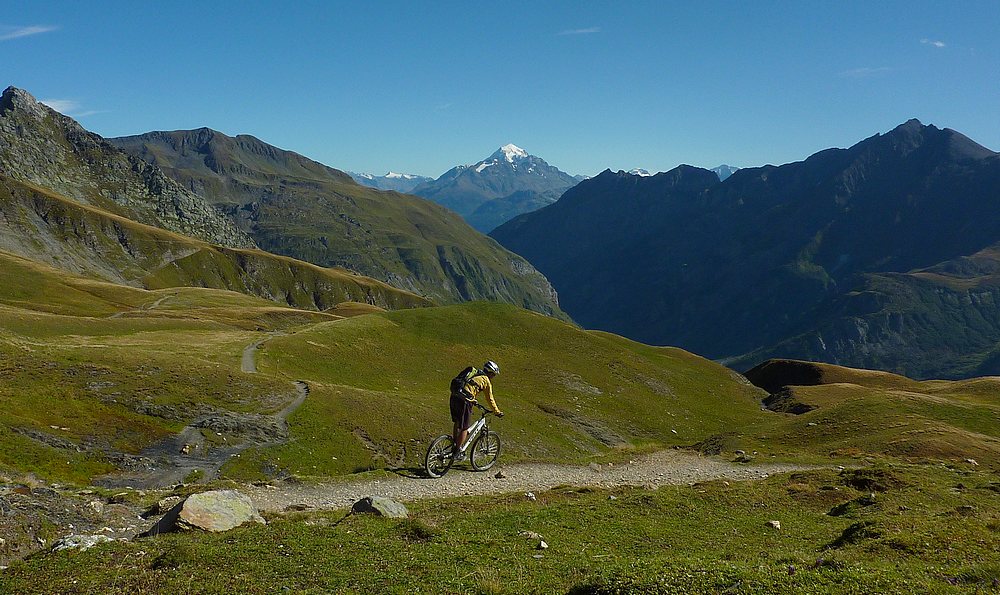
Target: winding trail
144, 307
666, 467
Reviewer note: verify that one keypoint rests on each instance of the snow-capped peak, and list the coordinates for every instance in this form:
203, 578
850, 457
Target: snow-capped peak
510, 151
639, 172
394, 175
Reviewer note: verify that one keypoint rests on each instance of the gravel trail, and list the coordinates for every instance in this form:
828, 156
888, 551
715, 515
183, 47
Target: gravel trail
667, 467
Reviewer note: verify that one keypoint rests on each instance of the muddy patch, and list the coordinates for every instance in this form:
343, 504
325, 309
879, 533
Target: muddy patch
575, 383
591, 427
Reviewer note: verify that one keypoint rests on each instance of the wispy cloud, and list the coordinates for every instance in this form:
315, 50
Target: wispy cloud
934, 42
861, 73
7, 33
587, 31
69, 107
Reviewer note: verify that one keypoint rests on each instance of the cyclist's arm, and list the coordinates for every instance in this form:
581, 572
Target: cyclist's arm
488, 391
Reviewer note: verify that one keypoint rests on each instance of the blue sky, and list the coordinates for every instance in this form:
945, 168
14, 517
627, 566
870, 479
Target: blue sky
420, 87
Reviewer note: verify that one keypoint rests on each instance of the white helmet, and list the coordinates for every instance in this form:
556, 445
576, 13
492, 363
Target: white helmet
491, 367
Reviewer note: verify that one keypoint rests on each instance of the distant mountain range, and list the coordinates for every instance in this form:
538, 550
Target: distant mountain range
723, 171
70, 199
505, 184
197, 207
294, 206
885, 255
390, 181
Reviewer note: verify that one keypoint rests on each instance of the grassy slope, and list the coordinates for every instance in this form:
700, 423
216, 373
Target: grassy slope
45, 226
863, 413
926, 530
98, 361
97, 358
568, 393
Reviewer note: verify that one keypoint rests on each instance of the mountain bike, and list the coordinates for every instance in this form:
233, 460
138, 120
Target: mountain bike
482, 444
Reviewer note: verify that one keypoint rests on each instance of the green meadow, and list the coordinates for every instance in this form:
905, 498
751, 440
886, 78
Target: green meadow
905, 497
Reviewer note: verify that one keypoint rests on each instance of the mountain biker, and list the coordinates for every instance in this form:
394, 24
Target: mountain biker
461, 403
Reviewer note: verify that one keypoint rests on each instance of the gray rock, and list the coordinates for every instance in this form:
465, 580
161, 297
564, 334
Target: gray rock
214, 511
530, 535
79, 542
774, 524
217, 511
381, 506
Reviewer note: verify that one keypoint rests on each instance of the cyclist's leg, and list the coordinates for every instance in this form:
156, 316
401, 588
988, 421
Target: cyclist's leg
461, 411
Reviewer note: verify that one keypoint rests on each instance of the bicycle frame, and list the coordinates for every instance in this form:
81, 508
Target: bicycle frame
476, 428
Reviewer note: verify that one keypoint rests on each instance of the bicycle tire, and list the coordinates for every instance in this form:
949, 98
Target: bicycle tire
439, 456
485, 451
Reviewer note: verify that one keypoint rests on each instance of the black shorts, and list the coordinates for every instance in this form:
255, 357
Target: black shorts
461, 411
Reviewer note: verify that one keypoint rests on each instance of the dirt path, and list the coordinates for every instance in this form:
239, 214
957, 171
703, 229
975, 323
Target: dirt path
143, 308
668, 467
174, 459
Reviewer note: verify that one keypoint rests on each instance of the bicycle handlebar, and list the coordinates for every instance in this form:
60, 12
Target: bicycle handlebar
484, 408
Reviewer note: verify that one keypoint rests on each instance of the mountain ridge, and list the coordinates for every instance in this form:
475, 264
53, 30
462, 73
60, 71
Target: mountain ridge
513, 180
298, 207
732, 268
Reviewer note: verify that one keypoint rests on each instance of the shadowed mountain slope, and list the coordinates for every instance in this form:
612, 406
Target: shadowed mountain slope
297, 207
846, 257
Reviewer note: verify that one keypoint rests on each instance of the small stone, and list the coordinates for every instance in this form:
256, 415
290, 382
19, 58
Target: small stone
810, 424
165, 504
97, 506
530, 496
775, 524
500, 475
538, 556
673, 431
542, 545
79, 542
381, 506
972, 462
612, 497
530, 535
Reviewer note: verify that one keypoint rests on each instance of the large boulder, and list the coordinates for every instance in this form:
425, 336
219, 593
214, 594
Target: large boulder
215, 511
381, 506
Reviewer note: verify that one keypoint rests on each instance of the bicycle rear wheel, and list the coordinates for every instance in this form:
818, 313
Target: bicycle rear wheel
485, 451
439, 456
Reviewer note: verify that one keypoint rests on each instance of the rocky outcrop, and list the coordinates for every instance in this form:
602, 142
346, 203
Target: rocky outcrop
79, 542
40, 146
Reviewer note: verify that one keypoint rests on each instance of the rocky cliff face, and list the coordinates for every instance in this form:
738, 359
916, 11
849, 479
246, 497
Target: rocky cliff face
41, 146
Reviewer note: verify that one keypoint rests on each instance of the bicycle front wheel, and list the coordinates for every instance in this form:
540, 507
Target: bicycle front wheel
439, 456
485, 451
